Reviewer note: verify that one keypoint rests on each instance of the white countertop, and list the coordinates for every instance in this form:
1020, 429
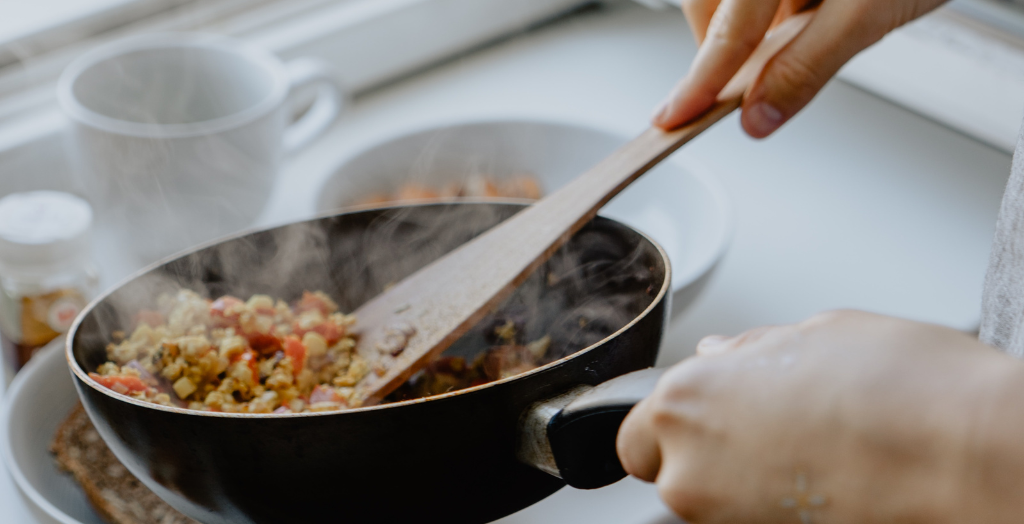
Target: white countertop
857, 203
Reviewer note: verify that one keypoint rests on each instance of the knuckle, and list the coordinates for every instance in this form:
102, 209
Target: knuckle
664, 419
668, 408
686, 495
827, 317
866, 20
666, 414
682, 382
724, 30
763, 335
831, 318
860, 10
681, 402
753, 335
793, 76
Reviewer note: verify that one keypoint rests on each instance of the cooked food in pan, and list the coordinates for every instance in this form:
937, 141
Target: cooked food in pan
267, 356
252, 356
475, 186
509, 355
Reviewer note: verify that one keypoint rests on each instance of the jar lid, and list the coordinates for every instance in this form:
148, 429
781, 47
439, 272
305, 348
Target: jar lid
43, 228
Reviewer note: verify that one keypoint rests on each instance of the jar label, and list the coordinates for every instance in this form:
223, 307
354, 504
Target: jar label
62, 313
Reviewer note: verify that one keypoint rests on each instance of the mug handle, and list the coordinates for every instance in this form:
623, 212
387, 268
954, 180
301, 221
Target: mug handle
329, 101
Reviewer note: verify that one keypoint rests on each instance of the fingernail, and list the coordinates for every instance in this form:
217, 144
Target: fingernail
659, 114
763, 118
712, 345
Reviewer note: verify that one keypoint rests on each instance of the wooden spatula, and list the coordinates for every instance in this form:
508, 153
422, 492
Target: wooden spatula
405, 327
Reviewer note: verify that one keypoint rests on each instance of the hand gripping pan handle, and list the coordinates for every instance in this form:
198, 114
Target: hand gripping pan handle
572, 436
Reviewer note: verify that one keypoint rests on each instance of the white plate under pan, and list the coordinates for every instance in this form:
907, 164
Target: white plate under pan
38, 400
683, 209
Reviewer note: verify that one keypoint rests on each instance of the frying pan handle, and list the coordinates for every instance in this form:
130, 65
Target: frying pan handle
572, 436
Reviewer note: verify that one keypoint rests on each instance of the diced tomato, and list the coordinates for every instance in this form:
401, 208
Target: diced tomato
225, 310
310, 301
295, 350
330, 331
327, 329
265, 343
120, 383
322, 393
261, 333
249, 357
149, 317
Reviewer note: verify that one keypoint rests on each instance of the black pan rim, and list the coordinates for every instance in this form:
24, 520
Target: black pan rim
84, 378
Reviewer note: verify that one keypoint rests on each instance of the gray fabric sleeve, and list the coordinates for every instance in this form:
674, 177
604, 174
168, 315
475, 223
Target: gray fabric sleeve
1002, 303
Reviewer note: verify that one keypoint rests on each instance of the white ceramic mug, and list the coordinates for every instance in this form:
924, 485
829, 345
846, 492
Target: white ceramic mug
177, 138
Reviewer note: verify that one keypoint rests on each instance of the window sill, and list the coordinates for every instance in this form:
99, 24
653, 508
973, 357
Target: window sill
369, 43
954, 69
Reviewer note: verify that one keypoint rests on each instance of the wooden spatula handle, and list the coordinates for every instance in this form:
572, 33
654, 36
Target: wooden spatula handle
408, 325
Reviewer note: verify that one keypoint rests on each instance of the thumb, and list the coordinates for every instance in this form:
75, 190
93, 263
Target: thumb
838, 31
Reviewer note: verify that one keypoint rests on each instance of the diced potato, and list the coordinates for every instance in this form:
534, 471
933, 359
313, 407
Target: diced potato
217, 399
253, 323
184, 387
194, 347
141, 333
316, 344
281, 377
108, 369
356, 371
125, 352
331, 305
259, 302
241, 372
305, 380
215, 364
232, 346
264, 403
341, 319
174, 370
310, 319
188, 309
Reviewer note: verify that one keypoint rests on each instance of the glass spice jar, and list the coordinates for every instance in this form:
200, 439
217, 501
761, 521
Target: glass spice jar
46, 272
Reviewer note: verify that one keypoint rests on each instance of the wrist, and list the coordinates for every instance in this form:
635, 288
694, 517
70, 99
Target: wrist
946, 444
991, 468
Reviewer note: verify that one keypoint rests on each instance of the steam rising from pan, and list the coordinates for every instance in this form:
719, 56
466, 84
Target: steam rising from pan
177, 138
595, 285
679, 204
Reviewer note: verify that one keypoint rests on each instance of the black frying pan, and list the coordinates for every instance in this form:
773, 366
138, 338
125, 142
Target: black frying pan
472, 455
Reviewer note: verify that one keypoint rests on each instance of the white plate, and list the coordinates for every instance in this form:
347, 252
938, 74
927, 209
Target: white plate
682, 208
39, 399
